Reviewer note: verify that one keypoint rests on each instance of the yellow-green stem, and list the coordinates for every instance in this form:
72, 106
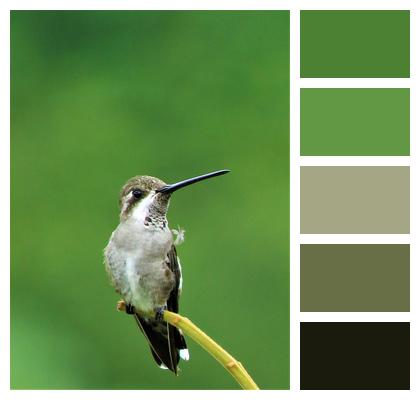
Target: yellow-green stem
234, 367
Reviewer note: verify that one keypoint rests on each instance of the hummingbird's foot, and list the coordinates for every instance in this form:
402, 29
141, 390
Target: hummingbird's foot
129, 309
159, 313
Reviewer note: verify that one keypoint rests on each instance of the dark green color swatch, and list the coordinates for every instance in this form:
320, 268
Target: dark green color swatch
355, 355
355, 44
355, 277
355, 122
355, 199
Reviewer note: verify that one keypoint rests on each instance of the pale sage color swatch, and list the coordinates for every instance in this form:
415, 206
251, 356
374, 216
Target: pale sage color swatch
355, 200
355, 277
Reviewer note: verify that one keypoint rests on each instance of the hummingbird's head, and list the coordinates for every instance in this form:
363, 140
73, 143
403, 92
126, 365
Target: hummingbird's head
147, 198
139, 195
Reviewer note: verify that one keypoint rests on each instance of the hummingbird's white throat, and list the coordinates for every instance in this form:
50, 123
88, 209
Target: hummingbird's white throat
141, 209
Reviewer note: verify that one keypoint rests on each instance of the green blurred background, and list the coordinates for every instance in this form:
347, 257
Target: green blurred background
98, 97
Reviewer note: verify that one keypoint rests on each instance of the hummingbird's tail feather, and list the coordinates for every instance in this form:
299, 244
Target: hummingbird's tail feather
166, 342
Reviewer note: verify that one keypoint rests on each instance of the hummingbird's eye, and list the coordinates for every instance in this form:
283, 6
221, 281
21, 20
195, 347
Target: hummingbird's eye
137, 193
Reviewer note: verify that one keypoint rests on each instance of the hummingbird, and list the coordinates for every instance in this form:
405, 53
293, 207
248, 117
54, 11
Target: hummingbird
143, 266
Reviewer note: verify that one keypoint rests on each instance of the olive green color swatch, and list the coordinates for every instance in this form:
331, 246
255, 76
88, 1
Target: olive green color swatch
355, 199
355, 277
355, 44
355, 122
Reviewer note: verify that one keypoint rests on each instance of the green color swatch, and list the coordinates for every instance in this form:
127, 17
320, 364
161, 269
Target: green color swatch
355, 277
355, 44
355, 199
355, 122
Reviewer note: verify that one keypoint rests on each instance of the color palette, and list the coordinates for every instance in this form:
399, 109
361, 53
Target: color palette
355, 122
355, 199
355, 44
355, 277
355, 355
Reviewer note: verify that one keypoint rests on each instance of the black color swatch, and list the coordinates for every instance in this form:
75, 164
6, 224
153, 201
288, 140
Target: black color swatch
355, 355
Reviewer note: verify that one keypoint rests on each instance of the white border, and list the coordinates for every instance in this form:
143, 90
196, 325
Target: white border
354, 83
294, 5
5, 206
296, 83
354, 161
414, 200
309, 238
354, 316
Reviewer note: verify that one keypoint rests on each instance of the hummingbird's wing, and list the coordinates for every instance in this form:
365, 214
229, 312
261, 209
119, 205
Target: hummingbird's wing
173, 302
175, 267
166, 342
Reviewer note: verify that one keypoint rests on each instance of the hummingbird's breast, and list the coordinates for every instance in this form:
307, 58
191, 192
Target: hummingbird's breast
137, 262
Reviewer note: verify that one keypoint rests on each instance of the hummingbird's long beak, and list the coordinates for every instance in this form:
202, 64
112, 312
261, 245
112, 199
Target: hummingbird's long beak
175, 186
